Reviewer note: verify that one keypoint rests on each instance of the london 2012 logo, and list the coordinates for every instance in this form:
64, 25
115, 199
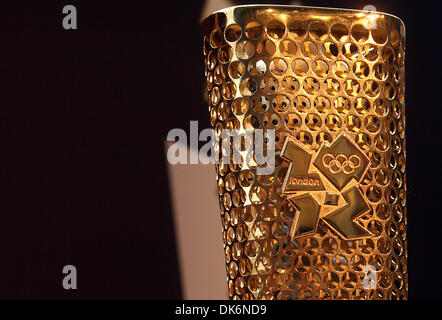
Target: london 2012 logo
325, 185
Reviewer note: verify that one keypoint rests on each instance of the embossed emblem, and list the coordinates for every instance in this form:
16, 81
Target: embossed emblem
325, 185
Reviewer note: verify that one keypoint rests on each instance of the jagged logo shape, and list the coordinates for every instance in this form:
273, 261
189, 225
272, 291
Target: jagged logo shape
325, 186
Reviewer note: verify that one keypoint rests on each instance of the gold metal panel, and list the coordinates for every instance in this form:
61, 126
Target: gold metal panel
330, 82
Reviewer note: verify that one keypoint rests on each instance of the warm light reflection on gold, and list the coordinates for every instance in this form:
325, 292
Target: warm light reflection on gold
330, 82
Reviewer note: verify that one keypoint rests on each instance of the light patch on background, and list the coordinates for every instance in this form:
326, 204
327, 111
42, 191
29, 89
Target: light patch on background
210, 6
198, 230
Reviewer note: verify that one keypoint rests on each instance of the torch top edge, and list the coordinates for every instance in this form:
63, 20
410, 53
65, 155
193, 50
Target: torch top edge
301, 9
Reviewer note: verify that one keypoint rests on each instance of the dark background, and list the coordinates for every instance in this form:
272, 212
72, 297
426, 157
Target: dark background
83, 116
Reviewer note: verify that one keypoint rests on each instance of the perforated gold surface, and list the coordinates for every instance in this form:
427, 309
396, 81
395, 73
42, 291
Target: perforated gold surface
331, 83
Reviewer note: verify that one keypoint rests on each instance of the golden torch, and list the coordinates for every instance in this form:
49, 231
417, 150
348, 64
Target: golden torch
329, 222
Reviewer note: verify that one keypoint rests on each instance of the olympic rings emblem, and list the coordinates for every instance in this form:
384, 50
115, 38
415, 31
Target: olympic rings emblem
341, 163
